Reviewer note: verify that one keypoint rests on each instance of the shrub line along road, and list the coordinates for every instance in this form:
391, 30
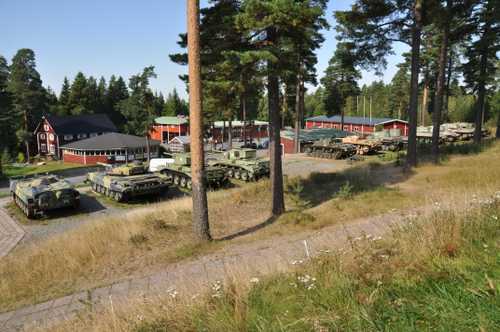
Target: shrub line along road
10, 232
188, 278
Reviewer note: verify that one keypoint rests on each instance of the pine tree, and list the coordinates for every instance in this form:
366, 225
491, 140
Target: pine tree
399, 89
102, 92
64, 108
481, 53
372, 27
78, 95
7, 133
339, 81
28, 95
174, 105
201, 225
91, 96
273, 25
139, 109
117, 92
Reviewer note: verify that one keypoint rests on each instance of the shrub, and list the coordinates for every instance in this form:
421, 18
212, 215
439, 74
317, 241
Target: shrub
20, 158
346, 191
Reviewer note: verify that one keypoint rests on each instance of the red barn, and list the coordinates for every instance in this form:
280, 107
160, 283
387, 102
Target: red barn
357, 124
54, 131
167, 127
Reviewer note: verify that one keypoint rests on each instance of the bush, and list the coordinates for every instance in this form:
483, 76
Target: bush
20, 158
346, 191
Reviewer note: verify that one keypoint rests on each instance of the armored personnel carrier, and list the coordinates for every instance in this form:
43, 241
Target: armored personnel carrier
179, 172
38, 194
331, 148
125, 182
243, 164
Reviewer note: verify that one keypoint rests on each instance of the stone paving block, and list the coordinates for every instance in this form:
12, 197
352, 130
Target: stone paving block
5, 317
42, 306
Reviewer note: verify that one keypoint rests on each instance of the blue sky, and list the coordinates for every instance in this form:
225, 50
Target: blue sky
121, 37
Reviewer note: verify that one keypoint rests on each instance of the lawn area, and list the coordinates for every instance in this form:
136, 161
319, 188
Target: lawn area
438, 274
50, 166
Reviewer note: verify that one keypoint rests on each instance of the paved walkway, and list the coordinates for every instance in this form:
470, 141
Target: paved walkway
248, 260
10, 232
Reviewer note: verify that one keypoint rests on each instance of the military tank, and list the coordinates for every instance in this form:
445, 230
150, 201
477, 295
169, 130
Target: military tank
128, 181
39, 194
243, 164
363, 146
331, 148
179, 172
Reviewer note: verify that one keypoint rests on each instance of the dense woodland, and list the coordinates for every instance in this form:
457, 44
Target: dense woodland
241, 42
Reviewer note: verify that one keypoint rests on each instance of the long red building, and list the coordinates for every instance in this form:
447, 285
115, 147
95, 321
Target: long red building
357, 124
167, 127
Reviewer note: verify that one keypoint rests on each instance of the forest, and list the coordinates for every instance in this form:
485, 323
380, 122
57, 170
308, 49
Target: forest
458, 70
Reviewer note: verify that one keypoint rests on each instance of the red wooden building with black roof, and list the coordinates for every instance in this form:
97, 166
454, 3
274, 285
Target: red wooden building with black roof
55, 131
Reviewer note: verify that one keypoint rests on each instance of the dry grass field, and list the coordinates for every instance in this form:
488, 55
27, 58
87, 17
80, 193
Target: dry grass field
142, 240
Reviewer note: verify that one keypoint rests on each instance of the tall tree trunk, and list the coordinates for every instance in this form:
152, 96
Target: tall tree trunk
212, 126
148, 149
438, 100
278, 202
230, 133
223, 133
298, 112
416, 32
244, 118
481, 93
448, 82
498, 126
425, 99
201, 226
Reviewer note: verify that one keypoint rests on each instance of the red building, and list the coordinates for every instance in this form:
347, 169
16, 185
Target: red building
167, 127
254, 129
357, 124
109, 148
55, 131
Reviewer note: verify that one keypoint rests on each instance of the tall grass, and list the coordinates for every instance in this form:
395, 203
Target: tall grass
441, 273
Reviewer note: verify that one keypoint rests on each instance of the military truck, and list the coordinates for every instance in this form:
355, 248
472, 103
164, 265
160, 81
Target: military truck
331, 148
39, 194
125, 182
179, 172
243, 164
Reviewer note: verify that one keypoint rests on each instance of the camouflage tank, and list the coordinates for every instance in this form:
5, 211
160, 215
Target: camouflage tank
243, 164
363, 145
179, 172
331, 148
43, 193
125, 182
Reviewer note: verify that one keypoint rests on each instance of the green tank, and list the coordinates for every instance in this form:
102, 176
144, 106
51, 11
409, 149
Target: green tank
243, 164
125, 182
38, 194
331, 148
179, 172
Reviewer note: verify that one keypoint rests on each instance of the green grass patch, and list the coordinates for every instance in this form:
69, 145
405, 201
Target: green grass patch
50, 166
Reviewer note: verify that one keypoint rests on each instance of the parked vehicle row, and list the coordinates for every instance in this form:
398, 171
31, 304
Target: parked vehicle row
39, 194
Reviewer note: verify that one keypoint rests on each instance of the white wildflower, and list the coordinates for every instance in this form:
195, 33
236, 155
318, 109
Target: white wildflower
254, 280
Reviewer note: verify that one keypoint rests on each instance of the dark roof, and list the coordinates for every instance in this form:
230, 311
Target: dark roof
109, 142
81, 124
357, 120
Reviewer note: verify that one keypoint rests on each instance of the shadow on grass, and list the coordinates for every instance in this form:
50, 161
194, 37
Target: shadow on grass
249, 230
